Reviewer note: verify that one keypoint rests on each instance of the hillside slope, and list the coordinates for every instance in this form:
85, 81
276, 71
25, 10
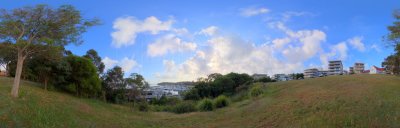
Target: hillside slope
335, 101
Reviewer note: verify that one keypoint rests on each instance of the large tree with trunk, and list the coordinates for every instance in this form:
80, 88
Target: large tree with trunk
29, 27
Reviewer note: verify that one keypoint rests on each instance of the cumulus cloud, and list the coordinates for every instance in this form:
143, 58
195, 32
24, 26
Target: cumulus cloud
126, 64
109, 63
169, 44
209, 31
357, 43
252, 11
224, 54
127, 28
337, 52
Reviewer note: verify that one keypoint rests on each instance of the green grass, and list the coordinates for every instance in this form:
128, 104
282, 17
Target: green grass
335, 101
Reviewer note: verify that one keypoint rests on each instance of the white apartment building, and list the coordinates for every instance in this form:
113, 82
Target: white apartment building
311, 73
358, 68
335, 67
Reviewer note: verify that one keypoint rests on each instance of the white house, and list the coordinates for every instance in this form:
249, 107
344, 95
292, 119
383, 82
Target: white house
376, 70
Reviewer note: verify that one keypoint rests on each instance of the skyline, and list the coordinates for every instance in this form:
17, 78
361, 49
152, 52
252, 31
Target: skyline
164, 42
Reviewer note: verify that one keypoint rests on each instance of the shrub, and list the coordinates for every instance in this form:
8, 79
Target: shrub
192, 94
205, 105
221, 101
184, 107
256, 91
143, 106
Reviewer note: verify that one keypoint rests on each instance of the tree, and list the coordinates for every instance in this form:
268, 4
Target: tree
84, 80
137, 84
42, 64
114, 84
41, 25
392, 62
96, 60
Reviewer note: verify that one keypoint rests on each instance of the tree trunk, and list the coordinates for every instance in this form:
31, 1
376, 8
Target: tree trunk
17, 78
45, 83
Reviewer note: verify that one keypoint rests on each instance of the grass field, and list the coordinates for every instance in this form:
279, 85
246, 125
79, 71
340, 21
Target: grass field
335, 101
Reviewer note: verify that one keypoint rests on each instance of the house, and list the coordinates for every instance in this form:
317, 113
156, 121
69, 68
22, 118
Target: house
311, 73
335, 67
358, 68
281, 77
259, 76
376, 70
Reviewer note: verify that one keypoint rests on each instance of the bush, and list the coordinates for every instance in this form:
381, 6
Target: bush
256, 91
161, 108
205, 105
184, 107
221, 101
143, 106
192, 94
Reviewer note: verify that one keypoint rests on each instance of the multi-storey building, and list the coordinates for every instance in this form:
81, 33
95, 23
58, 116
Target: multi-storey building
311, 73
335, 67
358, 68
351, 70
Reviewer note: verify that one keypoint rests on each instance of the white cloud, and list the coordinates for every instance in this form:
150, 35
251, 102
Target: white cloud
252, 11
341, 50
127, 28
224, 54
286, 16
337, 52
357, 43
376, 47
169, 44
280, 42
209, 31
109, 63
126, 64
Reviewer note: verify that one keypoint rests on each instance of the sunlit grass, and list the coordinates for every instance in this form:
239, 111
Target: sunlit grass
335, 101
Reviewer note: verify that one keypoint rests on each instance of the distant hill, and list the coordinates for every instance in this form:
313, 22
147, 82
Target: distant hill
334, 101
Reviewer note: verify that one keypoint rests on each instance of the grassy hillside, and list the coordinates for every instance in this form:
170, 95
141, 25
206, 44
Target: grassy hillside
336, 101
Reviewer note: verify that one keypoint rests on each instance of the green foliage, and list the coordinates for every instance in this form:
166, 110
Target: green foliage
392, 62
84, 76
205, 105
256, 91
192, 94
217, 84
137, 80
29, 29
143, 106
184, 107
221, 101
96, 60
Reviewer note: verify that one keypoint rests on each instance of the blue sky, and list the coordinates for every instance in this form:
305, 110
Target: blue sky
179, 40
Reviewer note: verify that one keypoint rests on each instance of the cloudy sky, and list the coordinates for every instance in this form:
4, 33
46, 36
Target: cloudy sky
177, 40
